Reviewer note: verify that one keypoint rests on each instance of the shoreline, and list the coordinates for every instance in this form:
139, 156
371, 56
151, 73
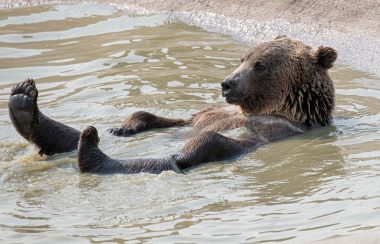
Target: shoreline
352, 28
344, 16
347, 17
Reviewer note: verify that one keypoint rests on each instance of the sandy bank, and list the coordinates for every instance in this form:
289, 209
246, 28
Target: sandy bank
346, 16
352, 27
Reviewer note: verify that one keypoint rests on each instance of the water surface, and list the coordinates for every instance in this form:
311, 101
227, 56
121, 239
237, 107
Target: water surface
95, 65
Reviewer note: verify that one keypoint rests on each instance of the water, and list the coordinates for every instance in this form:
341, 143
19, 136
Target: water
94, 65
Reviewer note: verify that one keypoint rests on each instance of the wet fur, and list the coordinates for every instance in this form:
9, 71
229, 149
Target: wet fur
297, 78
282, 88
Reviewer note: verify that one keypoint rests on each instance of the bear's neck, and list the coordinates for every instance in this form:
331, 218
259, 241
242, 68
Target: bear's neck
310, 105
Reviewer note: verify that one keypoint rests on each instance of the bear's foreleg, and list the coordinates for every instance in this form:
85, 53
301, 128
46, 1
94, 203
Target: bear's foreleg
143, 121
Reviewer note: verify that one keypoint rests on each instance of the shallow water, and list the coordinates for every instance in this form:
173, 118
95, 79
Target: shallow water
94, 65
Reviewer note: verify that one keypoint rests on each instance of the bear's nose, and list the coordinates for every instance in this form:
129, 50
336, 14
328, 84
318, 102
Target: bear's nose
226, 86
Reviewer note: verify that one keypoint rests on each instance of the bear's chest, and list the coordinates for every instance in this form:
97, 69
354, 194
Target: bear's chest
218, 118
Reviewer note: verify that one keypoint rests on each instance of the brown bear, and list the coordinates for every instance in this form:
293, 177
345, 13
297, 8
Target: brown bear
281, 88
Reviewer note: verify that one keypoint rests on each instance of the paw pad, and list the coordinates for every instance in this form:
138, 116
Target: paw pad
27, 87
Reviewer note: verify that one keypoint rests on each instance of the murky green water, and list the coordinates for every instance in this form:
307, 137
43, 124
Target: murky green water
95, 65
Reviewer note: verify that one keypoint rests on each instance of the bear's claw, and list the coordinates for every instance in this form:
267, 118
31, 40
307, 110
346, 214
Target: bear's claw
23, 107
90, 134
122, 131
27, 88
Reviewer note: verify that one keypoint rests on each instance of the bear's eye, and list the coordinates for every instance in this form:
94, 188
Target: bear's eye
241, 60
259, 66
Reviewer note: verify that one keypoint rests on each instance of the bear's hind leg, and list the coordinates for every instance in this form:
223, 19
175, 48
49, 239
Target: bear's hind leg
49, 135
92, 160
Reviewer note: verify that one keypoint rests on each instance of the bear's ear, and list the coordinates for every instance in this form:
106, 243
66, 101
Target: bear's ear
326, 56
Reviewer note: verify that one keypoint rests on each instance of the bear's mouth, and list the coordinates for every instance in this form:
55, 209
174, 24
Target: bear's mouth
232, 100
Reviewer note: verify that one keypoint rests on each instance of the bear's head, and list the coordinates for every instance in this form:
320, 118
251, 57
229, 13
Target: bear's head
284, 77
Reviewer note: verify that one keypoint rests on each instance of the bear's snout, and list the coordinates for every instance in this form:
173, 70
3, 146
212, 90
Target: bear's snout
227, 86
